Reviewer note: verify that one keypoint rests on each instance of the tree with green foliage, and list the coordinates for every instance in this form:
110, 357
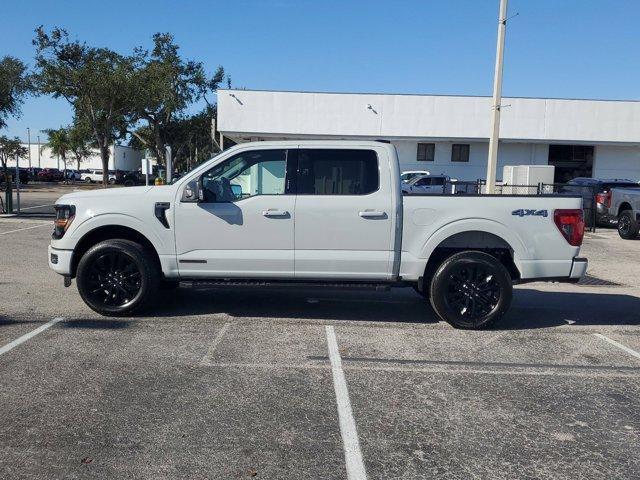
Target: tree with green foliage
79, 142
58, 142
10, 148
165, 86
97, 82
15, 84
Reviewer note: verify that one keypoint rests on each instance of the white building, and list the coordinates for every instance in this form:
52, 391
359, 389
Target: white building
121, 157
449, 134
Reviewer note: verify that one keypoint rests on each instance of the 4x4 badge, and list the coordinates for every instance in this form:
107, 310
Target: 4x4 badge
525, 212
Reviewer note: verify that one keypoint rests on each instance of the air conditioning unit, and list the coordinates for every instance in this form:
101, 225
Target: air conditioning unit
524, 179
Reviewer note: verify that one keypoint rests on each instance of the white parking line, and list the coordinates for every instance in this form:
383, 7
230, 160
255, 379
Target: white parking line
38, 206
206, 360
27, 336
350, 442
26, 228
619, 345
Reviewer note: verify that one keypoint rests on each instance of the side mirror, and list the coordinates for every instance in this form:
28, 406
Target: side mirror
192, 192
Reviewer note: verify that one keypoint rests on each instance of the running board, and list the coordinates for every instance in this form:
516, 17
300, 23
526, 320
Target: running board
380, 287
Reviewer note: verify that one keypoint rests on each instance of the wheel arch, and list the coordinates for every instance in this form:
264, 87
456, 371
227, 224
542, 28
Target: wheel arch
504, 246
109, 232
624, 206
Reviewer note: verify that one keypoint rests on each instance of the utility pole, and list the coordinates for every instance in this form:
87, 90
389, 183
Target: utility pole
169, 164
29, 143
38, 137
497, 99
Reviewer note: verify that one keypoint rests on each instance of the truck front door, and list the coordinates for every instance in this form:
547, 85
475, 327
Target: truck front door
344, 209
243, 227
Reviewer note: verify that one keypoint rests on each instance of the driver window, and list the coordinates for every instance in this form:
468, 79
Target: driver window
258, 172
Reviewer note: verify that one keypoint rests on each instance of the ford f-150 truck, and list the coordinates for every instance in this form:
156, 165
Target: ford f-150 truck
315, 212
624, 203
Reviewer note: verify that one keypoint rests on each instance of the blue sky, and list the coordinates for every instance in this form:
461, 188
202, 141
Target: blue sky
567, 48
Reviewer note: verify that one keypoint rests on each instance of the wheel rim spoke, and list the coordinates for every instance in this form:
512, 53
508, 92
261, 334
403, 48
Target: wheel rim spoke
472, 292
114, 279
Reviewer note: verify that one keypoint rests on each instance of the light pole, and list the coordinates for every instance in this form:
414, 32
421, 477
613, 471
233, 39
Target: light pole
497, 99
38, 137
29, 142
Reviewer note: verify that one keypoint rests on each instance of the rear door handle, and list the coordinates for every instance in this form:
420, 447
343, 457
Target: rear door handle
275, 213
372, 214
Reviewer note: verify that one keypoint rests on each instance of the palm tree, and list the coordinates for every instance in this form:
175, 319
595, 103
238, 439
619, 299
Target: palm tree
79, 143
58, 143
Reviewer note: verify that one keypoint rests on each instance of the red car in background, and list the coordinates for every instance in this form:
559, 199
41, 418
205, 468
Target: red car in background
50, 175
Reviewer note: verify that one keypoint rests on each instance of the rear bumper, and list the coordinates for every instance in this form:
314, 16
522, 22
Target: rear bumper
578, 269
60, 260
576, 272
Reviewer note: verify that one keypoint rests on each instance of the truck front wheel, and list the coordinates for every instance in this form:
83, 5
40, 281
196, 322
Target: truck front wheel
117, 277
471, 290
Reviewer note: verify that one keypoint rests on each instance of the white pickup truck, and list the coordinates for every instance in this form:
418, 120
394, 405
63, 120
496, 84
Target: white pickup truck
315, 212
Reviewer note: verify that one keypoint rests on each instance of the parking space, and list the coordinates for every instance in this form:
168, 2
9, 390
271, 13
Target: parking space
228, 383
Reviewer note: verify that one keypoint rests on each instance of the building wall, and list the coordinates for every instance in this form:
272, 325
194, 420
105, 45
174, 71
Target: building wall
508, 154
121, 158
540, 120
612, 161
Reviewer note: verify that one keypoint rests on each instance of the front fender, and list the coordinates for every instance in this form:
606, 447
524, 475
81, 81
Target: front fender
162, 245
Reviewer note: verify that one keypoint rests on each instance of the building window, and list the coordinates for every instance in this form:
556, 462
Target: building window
426, 152
460, 152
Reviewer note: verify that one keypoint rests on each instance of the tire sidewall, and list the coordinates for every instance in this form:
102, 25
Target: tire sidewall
135, 253
438, 286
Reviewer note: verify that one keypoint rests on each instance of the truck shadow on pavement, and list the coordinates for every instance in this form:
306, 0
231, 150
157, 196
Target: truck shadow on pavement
531, 308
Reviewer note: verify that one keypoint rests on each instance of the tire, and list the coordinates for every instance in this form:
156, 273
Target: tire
112, 181
129, 183
422, 293
87, 180
117, 277
461, 280
628, 226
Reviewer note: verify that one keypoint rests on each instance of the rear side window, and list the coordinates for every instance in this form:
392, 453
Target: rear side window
337, 172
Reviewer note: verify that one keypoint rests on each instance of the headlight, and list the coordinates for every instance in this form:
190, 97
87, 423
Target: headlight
64, 216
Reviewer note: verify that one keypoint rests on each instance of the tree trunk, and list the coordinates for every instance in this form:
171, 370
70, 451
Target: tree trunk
104, 155
162, 158
8, 202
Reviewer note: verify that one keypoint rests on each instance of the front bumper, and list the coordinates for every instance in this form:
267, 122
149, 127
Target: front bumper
60, 260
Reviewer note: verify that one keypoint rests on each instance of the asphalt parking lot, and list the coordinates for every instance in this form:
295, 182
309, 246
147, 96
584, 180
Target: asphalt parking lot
307, 383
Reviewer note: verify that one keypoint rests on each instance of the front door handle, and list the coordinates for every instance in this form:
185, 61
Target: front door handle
275, 213
373, 214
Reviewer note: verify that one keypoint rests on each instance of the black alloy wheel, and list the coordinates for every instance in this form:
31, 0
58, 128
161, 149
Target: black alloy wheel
114, 279
628, 227
471, 290
117, 277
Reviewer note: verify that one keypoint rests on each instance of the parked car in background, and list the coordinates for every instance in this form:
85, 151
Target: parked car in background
426, 185
50, 175
94, 175
72, 175
595, 193
411, 174
25, 176
624, 204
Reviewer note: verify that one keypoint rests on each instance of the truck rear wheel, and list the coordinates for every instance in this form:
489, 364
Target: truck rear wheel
117, 277
628, 226
471, 290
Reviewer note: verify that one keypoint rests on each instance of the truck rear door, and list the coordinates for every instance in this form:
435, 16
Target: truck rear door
343, 215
